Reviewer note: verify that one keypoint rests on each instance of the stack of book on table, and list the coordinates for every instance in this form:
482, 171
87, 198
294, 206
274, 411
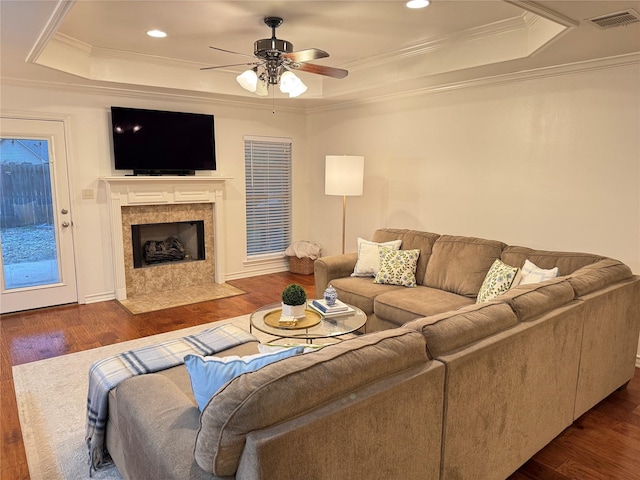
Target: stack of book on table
339, 308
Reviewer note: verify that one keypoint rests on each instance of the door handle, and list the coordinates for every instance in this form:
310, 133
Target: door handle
64, 211
65, 224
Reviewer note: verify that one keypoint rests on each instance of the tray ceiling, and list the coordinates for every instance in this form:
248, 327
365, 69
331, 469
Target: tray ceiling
385, 46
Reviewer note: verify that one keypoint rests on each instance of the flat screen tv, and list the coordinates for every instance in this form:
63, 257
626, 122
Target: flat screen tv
154, 142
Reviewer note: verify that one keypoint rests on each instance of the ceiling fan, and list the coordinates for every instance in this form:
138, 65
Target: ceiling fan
274, 59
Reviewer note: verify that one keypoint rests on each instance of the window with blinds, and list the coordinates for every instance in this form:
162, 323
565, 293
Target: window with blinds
268, 186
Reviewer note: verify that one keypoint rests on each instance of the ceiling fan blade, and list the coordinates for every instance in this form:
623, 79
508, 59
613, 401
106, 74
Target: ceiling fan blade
305, 55
232, 65
231, 51
322, 70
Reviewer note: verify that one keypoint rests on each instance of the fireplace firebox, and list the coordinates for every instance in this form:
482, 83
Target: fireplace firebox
160, 243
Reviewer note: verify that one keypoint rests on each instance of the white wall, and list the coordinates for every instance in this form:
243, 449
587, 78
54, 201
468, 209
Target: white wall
90, 158
551, 163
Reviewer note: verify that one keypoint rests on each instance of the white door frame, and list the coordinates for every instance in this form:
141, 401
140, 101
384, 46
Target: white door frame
66, 123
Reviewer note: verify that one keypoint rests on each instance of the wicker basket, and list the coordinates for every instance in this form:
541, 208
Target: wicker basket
301, 265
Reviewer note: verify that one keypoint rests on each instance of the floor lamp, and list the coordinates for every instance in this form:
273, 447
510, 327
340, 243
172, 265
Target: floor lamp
343, 175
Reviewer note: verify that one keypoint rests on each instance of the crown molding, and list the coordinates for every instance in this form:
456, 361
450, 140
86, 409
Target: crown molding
262, 103
109, 53
51, 26
504, 79
72, 43
484, 31
545, 12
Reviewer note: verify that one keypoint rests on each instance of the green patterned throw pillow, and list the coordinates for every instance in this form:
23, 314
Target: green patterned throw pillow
498, 280
397, 267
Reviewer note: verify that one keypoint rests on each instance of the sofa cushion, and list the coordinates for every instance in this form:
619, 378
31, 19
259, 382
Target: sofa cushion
295, 385
531, 273
405, 305
397, 267
598, 275
453, 330
388, 234
460, 264
361, 292
411, 240
209, 374
368, 262
499, 279
532, 300
567, 262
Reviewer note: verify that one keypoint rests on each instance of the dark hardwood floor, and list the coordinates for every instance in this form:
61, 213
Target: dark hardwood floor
602, 444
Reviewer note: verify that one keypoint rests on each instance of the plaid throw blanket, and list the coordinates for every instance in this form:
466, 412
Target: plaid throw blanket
107, 373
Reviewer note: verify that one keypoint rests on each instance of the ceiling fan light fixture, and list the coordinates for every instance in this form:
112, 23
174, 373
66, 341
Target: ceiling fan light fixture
291, 84
262, 88
273, 58
299, 89
417, 3
248, 80
288, 81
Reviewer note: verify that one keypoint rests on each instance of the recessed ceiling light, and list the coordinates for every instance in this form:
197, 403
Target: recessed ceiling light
156, 33
417, 3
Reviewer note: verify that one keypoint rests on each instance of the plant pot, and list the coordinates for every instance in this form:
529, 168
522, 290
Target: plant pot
295, 311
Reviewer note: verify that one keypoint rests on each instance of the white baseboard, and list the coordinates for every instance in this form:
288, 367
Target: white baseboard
254, 272
99, 297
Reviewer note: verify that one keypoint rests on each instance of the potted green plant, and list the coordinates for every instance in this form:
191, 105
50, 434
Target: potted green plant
294, 301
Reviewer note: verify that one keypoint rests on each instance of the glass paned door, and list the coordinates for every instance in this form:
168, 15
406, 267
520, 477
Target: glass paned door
36, 232
27, 227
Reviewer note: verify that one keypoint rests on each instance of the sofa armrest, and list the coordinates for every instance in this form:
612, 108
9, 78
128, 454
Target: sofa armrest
335, 266
391, 428
157, 428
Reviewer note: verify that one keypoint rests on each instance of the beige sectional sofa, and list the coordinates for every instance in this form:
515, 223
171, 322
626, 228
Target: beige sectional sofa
520, 368
439, 387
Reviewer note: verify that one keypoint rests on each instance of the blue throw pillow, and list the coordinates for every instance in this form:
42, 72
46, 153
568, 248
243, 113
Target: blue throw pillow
209, 374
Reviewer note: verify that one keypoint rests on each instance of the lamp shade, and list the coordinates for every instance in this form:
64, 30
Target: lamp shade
261, 88
343, 175
248, 80
291, 84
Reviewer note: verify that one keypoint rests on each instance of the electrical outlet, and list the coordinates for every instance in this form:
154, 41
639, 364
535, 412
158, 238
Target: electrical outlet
88, 194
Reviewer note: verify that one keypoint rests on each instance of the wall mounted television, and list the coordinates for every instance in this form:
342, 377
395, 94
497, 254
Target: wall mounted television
155, 142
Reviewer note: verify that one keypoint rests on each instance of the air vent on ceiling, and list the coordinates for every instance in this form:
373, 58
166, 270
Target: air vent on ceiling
616, 19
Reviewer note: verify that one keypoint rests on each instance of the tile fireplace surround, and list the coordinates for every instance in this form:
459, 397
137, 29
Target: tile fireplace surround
142, 200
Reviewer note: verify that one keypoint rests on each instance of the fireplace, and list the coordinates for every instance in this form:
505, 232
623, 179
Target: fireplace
163, 221
166, 200
157, 243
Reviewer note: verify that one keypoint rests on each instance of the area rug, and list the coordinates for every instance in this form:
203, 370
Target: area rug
179, 296
51, 396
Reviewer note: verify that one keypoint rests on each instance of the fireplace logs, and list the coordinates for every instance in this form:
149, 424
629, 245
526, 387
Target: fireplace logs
168, 250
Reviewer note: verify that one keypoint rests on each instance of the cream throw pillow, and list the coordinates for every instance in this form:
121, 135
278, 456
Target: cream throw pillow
368, 262
534, 274
499, 279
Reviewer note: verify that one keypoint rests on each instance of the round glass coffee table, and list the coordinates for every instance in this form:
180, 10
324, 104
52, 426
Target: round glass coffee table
313, 326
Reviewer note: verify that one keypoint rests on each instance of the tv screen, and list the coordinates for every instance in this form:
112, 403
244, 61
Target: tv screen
159, 142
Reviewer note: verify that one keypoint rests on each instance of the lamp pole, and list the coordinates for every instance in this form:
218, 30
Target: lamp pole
344, 220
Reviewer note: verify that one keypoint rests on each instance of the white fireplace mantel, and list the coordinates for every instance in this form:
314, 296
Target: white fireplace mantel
123, 191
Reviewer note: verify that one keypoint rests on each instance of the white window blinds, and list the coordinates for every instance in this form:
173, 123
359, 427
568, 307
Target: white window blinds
268, 187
